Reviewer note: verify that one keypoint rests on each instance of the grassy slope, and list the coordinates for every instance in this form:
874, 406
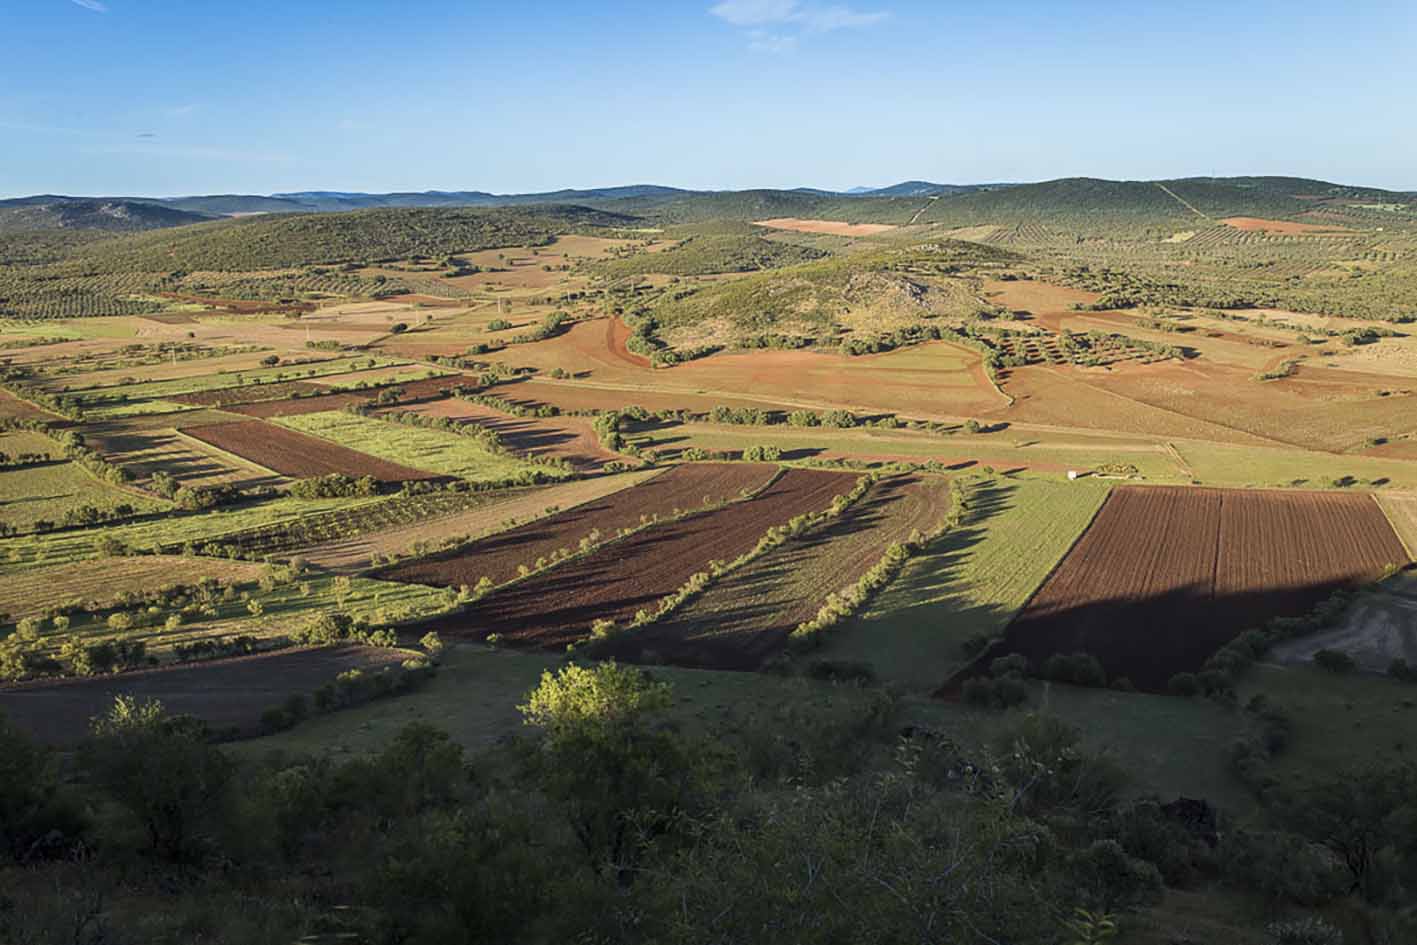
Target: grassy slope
436, 451
46, 492
970, 583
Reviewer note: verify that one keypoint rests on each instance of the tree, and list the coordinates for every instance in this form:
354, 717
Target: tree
621, 782
1367, 818
161, 769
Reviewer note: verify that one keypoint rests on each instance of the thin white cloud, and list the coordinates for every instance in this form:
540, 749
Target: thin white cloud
763, 41
774, 26
93, 5
840, 18
177, 111
752, 12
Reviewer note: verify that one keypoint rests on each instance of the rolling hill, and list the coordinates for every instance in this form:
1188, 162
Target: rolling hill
49, 212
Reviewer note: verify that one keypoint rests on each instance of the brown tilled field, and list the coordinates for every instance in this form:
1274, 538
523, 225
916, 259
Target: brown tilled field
570, 438
1166, 576
683, 488
11, 407
229, 693
297, 455
25, 593
557, 607
746, 617
502, 510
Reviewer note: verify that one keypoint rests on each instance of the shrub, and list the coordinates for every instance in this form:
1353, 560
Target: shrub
841, 671
1080, 669
1183, 684
1335, 661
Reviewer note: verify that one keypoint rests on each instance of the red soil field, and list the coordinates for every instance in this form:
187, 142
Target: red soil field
829, 227
298, 455
748, 615
559, 606
1164, 577
570, 438
1283, 226
226, 694
683, 487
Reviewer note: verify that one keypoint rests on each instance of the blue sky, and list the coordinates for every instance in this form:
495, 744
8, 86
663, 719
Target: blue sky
161, 97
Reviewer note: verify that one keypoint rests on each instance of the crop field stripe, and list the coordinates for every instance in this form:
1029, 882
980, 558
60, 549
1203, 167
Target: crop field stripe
555, 608
498, 557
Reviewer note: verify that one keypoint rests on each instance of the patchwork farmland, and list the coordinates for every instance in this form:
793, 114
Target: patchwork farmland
1164, 577
901, 496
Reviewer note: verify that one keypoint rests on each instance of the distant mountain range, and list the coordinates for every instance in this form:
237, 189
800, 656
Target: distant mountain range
945, 201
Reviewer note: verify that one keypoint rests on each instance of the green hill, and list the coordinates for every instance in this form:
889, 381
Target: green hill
864, 294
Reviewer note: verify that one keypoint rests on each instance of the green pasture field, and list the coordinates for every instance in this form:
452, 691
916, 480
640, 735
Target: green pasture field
969, 583
1342, 721
436, 451
28, 551
1228, 465
392, 375
47, 491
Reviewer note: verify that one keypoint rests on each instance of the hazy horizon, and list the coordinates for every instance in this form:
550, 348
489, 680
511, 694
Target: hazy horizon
116, 98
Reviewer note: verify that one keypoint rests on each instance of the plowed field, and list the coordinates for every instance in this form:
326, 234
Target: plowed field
498, 557
746, 617
1166, 576
296, 454
559, 606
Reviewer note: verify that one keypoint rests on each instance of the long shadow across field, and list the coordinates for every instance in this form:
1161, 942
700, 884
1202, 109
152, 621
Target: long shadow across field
1149, 639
